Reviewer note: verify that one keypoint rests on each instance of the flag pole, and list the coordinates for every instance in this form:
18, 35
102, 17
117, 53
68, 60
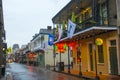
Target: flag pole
54, 47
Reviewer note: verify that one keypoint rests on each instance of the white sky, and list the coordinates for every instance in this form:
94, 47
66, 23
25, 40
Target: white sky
24, 18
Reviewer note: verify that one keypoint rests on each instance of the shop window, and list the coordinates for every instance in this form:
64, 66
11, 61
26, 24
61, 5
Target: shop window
100, 54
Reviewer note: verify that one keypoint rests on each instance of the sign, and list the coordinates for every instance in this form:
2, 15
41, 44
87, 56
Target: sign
71, 28
50, 39
99, 41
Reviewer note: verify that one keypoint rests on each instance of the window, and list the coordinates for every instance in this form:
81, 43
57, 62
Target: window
112, 42
100, 54
90, 49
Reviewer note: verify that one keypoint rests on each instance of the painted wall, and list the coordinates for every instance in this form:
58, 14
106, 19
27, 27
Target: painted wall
102, 67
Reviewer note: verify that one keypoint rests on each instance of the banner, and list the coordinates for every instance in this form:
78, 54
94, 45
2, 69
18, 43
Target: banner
9, 50
50, 39
71, 28
44, 45
59, 34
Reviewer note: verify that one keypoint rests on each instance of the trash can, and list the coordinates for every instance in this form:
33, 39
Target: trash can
61, 66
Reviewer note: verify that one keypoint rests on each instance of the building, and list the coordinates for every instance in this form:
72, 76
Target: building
43, 52
3, 44
15, 48
96, 21
39, 46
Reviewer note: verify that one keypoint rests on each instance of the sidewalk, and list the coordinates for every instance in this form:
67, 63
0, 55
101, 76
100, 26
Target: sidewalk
92, 75
8, 76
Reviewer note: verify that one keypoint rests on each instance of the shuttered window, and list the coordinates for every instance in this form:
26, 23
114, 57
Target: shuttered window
100, 54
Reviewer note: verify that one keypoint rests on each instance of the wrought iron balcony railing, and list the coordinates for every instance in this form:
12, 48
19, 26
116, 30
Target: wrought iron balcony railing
90, 22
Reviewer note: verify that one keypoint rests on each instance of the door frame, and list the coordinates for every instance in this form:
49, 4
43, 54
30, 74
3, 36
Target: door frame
108, 53
89, 62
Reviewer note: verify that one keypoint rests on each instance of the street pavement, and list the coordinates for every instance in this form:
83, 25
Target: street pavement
17, 71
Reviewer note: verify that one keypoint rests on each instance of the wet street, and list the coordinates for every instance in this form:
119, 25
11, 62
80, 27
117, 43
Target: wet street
23, 72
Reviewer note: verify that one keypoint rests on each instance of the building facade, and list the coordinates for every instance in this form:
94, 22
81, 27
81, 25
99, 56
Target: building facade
3, 44
96, 21
44, 52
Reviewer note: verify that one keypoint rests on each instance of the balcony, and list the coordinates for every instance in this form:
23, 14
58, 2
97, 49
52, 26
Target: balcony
88, 14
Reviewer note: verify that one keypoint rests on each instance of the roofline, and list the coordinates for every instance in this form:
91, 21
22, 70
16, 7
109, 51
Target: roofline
62, 10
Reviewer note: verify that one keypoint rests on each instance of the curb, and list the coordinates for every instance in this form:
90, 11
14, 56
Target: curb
83, 77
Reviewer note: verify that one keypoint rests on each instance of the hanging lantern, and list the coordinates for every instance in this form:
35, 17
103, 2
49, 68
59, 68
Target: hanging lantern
73, 17
61, 47
56, 48
71, 44
99, 41
65, 46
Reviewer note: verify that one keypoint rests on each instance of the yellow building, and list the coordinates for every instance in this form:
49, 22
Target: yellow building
94, 20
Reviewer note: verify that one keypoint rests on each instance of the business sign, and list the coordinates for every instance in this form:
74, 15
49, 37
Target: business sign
99, 41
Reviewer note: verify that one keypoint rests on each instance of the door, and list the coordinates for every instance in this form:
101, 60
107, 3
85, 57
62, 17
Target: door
113, 60
42, 60
90, 56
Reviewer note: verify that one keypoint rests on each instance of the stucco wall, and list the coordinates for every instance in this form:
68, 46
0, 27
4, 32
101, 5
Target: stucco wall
102, 67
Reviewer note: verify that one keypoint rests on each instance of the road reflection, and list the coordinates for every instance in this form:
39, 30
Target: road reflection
24, 72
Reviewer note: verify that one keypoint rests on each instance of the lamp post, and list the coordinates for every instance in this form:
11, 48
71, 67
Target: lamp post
95, 57
54, 56
68, 60
60, 62
54, 48
96, 75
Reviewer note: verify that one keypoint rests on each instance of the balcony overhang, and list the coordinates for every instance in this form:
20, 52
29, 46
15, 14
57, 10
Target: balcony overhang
89, 32
38, 49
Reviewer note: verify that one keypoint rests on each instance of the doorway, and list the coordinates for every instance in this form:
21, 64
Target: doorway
90, 48
113, 58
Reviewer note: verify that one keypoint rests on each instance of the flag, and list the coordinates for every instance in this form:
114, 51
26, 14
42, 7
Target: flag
50, 39
44, 45
63, 25
71, 28
59, 32
57, 28
9, 50
73, 17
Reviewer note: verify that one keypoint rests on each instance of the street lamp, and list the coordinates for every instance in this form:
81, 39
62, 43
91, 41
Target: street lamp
68, 60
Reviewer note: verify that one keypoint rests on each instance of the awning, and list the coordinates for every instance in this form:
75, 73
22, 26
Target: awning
89, 32
38, 49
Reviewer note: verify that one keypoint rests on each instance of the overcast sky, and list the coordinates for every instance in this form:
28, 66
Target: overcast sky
24, 18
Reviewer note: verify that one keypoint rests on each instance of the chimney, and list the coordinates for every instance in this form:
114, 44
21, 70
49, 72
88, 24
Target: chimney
49, 27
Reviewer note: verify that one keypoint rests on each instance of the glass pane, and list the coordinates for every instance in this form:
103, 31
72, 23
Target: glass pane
100, 54
112, 42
